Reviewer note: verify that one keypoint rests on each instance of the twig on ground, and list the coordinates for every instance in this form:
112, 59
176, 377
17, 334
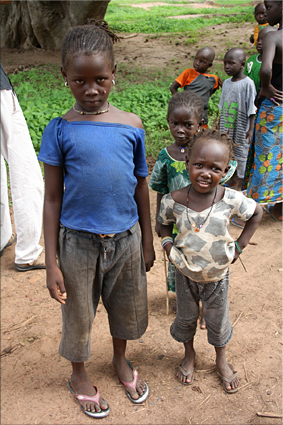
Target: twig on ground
19, 325
205, 419
247, 379
204, 401
237, 320
128, 36
137, 411
244, 386
269, 415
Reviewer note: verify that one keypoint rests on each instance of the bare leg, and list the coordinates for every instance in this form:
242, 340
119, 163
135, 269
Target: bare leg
201, 320
224, 369
81, 385
122, 368
276, 210
188, 362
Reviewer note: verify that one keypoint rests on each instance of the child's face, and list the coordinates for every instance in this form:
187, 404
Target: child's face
202, 62
183, 124
273, 12
232, 65
207, 164
259, 43
260, 14
90, 80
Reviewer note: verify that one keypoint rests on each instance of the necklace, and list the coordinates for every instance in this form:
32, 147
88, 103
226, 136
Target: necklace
182, 148
91, 113
198, 226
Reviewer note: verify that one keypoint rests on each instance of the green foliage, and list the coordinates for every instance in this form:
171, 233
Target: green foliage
125, 18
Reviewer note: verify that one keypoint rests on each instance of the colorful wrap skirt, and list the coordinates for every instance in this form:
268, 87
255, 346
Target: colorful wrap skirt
263, 176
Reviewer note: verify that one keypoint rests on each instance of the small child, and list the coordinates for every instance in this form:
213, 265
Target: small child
197, 79
204, 249
254, 62
260, 17
185, 118
95, 194
237, 110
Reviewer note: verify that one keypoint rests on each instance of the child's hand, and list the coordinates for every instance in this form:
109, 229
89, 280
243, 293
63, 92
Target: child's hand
249, 136
167, 249
55, 285
272, 94
149, 256
252, 40
236, 256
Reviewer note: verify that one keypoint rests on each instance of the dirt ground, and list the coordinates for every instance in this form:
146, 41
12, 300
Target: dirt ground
33, 375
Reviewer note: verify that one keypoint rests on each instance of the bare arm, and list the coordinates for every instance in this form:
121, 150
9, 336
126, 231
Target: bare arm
250, 131
51, 216
174, 87
166, 231
157, 224
142, 200
249, 229
269, 47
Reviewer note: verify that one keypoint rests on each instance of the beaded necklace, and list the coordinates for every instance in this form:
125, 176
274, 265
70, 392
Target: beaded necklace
198, 226
91, 113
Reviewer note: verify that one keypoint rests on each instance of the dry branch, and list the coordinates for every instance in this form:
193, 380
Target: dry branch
269, 415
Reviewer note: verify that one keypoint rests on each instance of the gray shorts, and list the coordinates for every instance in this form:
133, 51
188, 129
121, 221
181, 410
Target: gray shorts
110, 267
214, 298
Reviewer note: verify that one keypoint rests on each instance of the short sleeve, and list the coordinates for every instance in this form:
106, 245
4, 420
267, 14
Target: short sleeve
221, 102
244, 208
51, 143
166, 212
250, 97
158, 179
141, 169
184, 78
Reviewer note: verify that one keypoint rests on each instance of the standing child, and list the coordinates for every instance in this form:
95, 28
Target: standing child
237, 110
198, 80
204, 249
260, 17
254, 62
185, 118
96, 192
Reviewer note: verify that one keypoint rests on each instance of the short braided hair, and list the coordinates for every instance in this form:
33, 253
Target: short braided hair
188, 99
94, 37
211, 134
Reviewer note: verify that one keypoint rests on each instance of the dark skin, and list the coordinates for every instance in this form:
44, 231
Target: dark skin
90, 80
208, 171
204, 60
272, 53
234, 65
260, 17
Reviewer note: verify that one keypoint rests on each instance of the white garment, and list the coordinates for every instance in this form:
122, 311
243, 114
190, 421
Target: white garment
25, 179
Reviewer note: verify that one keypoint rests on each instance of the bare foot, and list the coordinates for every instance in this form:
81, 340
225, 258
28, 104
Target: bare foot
125, 373
186, 370
82, 385
226, 373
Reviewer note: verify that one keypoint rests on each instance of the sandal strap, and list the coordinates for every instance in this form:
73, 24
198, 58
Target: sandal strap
95, 398
184, 372
132, 384
229, 380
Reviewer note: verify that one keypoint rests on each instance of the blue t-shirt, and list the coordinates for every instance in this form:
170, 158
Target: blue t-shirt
100, 163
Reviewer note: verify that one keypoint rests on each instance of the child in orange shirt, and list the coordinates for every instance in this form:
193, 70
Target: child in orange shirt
198, 80
260, 17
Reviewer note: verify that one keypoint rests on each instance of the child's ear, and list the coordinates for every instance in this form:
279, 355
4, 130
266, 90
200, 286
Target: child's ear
226, 170
114, 70
209, 65
64, 74
200, 124
243, 64
187, 162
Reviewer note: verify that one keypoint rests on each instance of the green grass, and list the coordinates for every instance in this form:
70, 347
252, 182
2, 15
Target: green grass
129, 19
43, 96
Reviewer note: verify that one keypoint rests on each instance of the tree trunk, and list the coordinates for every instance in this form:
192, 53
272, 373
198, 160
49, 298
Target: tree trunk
43, 24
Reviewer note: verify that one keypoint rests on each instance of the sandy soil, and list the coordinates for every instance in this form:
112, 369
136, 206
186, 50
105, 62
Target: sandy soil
34, 377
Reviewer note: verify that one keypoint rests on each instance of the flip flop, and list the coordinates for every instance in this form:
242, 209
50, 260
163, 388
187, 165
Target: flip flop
35, 265
186, 373
10, 242
267, 209
229, 380
236, 224
80, 397
133, 384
